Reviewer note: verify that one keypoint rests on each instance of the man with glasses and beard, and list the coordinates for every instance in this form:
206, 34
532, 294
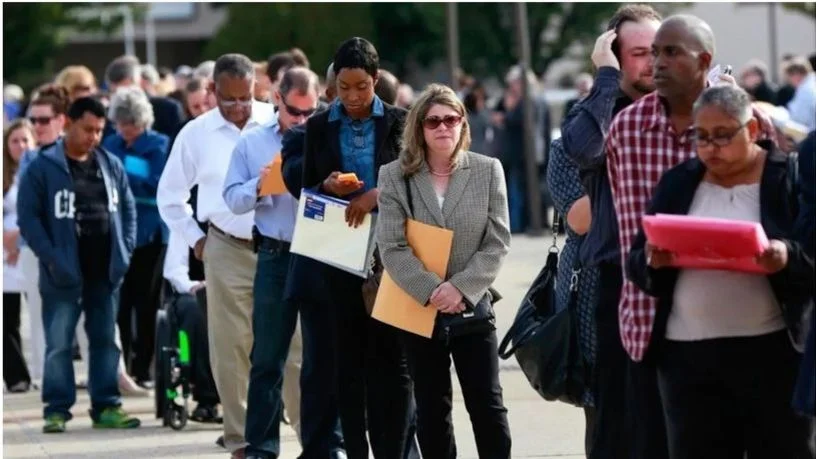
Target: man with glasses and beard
201, 156
623, 59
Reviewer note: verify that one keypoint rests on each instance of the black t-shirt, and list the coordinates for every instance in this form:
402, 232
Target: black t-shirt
92, 217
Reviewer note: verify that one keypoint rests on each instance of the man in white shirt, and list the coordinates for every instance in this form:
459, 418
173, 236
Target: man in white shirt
190, 318
201, 156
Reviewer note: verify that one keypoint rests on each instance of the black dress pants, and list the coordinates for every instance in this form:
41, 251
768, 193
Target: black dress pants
610, 438
15, 369
477, 366
725, 397
140, 299
374, 387
191, 316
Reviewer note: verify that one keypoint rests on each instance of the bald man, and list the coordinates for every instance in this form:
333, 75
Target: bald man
645, 140
331, 84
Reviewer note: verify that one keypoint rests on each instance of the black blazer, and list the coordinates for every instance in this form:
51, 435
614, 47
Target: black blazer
304, 281
168, 116
792, 286
321, 151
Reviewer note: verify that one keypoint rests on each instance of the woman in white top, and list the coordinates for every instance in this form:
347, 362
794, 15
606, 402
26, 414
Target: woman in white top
726, 366
18, 138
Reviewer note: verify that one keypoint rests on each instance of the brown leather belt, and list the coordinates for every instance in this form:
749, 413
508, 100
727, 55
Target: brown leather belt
245, 242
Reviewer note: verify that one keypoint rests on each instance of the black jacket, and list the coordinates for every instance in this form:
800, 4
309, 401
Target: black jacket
792, 286
317, 145
321, 150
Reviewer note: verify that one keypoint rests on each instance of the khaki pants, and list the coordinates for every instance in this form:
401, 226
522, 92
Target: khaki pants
230, 278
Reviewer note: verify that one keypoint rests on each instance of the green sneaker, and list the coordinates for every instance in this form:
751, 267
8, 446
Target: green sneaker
115, 418
54, 423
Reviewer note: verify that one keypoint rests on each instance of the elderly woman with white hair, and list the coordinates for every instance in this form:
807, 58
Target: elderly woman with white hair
144, 153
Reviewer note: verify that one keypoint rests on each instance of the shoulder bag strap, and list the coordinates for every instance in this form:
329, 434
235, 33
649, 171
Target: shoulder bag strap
410, 194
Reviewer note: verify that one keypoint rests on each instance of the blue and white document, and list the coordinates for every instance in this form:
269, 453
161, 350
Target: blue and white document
321, 233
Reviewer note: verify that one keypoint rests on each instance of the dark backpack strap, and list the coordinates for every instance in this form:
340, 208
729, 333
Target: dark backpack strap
410, 194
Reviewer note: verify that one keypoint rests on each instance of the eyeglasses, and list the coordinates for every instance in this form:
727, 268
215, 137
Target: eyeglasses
294, 111
40, 119
234, 103
433, 122
721, 140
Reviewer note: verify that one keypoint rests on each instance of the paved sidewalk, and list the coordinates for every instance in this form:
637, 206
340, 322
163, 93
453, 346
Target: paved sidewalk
540, 429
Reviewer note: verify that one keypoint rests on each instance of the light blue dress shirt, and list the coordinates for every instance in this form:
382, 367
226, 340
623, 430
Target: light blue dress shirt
274, 215
357, 139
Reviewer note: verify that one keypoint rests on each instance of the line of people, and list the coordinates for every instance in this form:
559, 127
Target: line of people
686, 363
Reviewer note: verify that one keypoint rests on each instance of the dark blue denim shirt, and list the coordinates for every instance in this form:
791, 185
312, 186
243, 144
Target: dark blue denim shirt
357, 141
583, 134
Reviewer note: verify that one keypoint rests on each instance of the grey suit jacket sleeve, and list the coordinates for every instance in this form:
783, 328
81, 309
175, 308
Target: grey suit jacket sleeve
404, 268
483, 267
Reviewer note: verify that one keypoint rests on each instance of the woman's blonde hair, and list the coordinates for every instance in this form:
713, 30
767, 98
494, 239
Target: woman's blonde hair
414, 149
9, 164
74, 76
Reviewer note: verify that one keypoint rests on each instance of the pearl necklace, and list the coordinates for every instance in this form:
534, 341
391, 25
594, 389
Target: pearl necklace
440, 174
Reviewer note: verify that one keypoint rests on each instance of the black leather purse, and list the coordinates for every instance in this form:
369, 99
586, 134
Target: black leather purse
476, 318
545, 340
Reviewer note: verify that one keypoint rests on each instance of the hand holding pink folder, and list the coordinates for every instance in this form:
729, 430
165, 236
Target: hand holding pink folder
708, 243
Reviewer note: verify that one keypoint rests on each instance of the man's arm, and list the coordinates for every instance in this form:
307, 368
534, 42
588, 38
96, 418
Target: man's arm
585, 126
292, 168
241, 184
180, 174
32, 207
177, 264
128, 207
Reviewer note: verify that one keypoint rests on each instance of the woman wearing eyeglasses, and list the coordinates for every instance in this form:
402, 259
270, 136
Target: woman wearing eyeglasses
726, 366
465, 192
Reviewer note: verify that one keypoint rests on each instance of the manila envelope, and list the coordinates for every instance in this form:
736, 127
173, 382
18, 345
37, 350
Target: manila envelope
432, 245
273, 182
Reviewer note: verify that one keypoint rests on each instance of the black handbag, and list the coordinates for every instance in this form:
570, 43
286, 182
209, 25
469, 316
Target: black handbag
545, 340
476, 318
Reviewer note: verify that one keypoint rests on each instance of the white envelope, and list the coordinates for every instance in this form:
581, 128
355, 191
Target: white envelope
321, 233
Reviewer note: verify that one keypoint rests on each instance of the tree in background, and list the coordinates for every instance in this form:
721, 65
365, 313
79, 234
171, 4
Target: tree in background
410, 34
32, 36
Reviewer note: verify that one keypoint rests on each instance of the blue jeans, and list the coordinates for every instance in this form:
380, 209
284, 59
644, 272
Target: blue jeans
273, 324
99, 303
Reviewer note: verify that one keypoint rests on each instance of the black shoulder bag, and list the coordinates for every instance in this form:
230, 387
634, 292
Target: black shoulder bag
476, 318
545, 340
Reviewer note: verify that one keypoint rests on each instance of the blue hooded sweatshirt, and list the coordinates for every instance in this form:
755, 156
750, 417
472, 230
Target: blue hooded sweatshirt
46, 220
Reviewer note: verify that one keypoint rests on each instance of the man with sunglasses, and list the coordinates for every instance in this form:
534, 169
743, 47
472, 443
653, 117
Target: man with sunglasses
201, 156
274, 320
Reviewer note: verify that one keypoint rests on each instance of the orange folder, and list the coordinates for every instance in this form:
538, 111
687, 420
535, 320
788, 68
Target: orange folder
432, 245
273, 182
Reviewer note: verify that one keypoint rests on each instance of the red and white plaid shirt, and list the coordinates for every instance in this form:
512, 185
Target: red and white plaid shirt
641, 145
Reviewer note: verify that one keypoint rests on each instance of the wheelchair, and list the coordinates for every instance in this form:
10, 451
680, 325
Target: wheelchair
172, 369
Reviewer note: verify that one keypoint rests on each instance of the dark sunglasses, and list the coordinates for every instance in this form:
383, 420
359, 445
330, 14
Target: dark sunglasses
293, 111
433, 122
40, 119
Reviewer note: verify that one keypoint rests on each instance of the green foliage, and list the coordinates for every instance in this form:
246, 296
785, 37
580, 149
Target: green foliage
807, 8
408, 34
261, 29
33, 34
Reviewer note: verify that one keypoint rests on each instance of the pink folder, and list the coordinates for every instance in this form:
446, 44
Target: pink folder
708, 243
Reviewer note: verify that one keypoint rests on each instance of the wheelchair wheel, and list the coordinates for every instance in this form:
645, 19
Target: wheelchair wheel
176, 416
161, 362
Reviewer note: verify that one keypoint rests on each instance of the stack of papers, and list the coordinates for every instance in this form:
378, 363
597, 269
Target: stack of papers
321, 233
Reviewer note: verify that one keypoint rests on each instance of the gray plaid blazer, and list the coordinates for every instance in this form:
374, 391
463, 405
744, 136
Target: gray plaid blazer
475, 208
